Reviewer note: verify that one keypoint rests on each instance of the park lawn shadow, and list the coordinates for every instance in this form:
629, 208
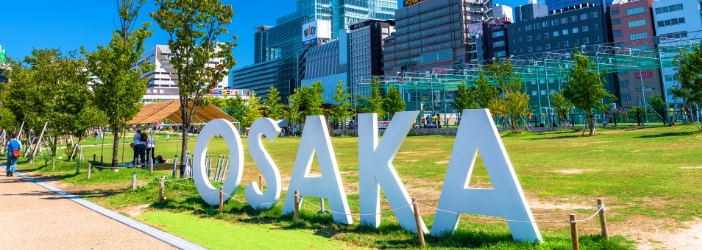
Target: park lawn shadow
669, 134
555, 137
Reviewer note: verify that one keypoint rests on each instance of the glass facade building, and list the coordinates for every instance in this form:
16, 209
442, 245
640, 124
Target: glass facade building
560, 4
343, 13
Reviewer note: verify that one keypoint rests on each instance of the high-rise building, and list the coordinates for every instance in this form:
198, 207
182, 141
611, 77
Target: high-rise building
432, 34
562, 30
366, 49
560, 4
530, 11
344, 13
262, 52
328, 64
677, 23
632, 28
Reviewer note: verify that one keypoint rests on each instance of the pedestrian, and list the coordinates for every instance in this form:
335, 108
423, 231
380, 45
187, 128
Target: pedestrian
139, 147
150, 147
14, 148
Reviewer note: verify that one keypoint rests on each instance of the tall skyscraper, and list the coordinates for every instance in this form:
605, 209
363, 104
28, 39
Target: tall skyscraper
560, 4
343, 13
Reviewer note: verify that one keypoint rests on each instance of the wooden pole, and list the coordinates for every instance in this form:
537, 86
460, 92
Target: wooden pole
221, 199
77, 167
161, 184
297, 207
418, 220
53, 163
574, 232
603, 219
134, 180
94, 157
260, 183
34, 153
151, 164
90, 168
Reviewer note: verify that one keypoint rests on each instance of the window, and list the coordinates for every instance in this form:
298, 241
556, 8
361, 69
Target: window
530, 49
616, 21
573, 18
565, 32
543, 92
617, 33
498, 33
594, 14
565, 43
669, 8
669, 77
538, 37
555, 33
500, 54
623, 84
586, 40
537, 26
596, 27
165, 60
583, 16
564, 20
575, 30
545, 35
615, 12
597, 39
554, 22
538, 48
528, 27
547, 46
545, 24
634, 11
637, 36
528, 38
637, 23
498, 44
674, 21
585, 28
558, 44
533, 92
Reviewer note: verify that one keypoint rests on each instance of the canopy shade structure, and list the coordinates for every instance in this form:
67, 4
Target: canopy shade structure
155, 112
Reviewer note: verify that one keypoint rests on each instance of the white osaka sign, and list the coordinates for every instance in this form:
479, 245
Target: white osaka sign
476, 133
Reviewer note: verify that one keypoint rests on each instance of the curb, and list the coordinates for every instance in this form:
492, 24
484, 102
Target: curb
161, 235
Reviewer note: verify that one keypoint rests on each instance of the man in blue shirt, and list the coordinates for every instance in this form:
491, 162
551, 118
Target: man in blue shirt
12, 146
139, 148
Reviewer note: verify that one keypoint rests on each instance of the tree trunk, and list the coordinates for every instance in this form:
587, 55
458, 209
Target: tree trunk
591, 121
54, 147
115, 147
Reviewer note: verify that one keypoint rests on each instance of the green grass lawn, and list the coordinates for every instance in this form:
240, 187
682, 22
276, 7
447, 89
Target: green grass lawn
648, 177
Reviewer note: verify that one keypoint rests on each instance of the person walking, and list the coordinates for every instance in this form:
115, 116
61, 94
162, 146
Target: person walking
150, 147
139, 147
14, 148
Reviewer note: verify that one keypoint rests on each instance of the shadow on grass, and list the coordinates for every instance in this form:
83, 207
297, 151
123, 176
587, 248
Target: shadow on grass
555, 137
670, 134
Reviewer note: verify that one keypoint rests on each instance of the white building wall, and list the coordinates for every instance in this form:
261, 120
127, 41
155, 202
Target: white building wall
693, 23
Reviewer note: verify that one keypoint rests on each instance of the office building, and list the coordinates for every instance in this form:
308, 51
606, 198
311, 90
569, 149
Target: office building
163, 79
632, 28
326, 63
432, 34
366, 49
677, 23
560, 4
257, 77
344, 13
530, 11
562, 30
496, 40
262, 52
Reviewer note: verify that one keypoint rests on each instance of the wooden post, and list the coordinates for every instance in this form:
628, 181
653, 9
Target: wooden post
151, 164
77, 167
297, 207
134, 180
161, 184
101, 162
574, 232
603, 219
260, 183
90, 168
53, 163
34, 152
221, 199
418, 220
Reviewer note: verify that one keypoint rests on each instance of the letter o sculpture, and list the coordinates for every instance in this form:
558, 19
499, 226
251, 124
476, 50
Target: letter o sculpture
236, 152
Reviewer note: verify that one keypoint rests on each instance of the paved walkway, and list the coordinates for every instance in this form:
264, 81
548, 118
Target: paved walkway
32, 217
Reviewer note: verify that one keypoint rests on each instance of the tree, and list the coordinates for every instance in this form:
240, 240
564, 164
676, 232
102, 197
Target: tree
689, 76
374, 103
393, 102
561, 106
514, 101
585, 88
311, 98
340, 110
293, 113
253, 110
657, 104
194, 28
465, 98
486, 93
218, 102
120, 87
274, 109
236, 107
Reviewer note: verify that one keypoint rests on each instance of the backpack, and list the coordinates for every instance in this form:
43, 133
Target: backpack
15, 152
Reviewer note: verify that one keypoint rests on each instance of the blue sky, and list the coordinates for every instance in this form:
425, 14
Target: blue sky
28, 24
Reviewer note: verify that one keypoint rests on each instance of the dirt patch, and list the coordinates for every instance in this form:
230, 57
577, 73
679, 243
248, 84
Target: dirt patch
573, 171
693, 167
441, 162
133, 210
581, 144
660, 233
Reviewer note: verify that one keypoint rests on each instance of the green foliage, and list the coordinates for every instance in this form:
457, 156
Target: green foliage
514, 101
689, 74
392, 102
236, 107
486, 93
657, 104
374, 103
253, 110
311, 98
120, 87
561, 105
293, 113
274, 109
218, 102
194, 29
340, 111
465, 98
585, 88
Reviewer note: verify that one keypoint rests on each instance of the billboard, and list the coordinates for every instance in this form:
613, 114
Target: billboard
475, 28
315, 31
3, 58
411, 2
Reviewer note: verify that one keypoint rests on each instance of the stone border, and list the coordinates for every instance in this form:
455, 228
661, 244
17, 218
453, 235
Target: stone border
149, 230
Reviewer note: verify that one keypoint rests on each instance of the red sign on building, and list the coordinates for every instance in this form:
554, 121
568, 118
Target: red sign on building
644, 75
